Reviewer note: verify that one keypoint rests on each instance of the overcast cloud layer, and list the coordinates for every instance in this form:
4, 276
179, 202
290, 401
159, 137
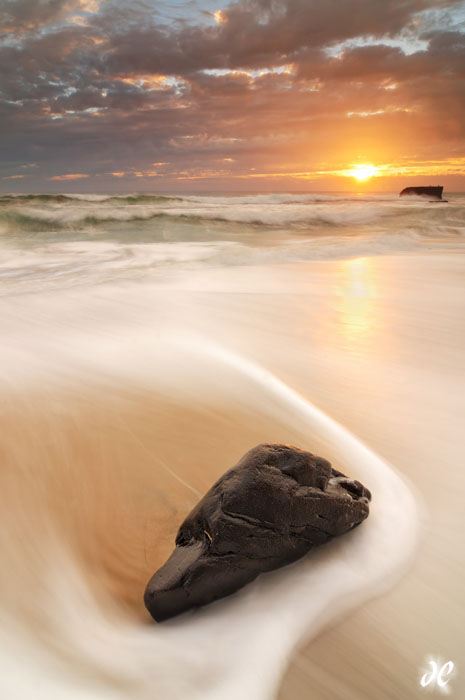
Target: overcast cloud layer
259, 94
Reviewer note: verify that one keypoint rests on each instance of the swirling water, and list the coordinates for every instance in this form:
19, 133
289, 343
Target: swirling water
147, 342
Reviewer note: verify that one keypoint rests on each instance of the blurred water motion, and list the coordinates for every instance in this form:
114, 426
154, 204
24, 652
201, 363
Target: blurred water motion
109, 434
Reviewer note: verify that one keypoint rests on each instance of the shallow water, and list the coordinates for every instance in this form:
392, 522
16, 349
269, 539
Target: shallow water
57, 241
146, 345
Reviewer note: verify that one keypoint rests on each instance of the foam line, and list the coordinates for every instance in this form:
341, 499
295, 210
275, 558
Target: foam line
238, 647
325, 584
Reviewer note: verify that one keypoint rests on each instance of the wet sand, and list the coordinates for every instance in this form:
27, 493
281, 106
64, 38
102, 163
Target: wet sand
112, 471
376, 343
403, 394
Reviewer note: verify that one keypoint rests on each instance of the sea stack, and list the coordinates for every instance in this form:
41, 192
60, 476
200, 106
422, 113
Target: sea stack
270, 509
432, 192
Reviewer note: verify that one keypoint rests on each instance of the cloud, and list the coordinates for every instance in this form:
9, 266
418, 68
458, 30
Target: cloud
19, 16
69, 176
125, 93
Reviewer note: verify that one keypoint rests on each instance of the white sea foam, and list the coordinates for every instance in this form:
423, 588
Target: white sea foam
77, 263
211, 314
77, 240
96, 652
87, 211
270, 214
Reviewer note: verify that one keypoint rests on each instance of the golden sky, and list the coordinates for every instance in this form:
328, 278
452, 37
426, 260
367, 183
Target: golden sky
259, 95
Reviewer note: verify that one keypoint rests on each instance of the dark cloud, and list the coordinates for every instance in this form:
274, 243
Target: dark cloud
256, 33
18, 16
95, 88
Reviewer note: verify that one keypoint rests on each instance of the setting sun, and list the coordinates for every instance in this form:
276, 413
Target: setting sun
363, 172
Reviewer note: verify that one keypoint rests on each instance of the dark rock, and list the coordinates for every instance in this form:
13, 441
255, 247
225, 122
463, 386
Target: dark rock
275, 505
434, 192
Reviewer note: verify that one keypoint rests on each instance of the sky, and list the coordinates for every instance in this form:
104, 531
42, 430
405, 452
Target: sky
248, 95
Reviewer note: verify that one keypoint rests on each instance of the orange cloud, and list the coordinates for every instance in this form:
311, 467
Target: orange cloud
91, 6
147, 81
281, 104
79, 20
145, 173
69, 176
220, 17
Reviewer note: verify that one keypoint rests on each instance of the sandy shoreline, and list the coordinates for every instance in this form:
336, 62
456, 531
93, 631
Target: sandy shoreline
114, 470
376, 343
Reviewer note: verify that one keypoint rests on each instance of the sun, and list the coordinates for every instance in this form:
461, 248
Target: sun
363, 172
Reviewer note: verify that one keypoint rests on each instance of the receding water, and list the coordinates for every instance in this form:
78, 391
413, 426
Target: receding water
147, 343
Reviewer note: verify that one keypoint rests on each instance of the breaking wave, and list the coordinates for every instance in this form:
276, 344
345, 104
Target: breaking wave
74, 198
47, 212
47, 241
147, 342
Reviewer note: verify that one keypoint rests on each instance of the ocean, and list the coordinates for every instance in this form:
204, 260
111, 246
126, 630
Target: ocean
76, 240
148, 341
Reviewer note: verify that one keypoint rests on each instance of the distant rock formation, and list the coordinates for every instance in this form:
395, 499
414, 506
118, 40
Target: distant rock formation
435, 192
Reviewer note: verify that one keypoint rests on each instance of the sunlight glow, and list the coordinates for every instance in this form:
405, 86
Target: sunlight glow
356, 295
220, 17
363, 172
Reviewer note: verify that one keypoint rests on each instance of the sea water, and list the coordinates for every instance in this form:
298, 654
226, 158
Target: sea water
147, 342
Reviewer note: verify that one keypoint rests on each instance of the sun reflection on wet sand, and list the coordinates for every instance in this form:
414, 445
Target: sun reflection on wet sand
356, 300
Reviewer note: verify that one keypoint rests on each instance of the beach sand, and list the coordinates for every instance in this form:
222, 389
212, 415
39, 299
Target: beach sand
96, 457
